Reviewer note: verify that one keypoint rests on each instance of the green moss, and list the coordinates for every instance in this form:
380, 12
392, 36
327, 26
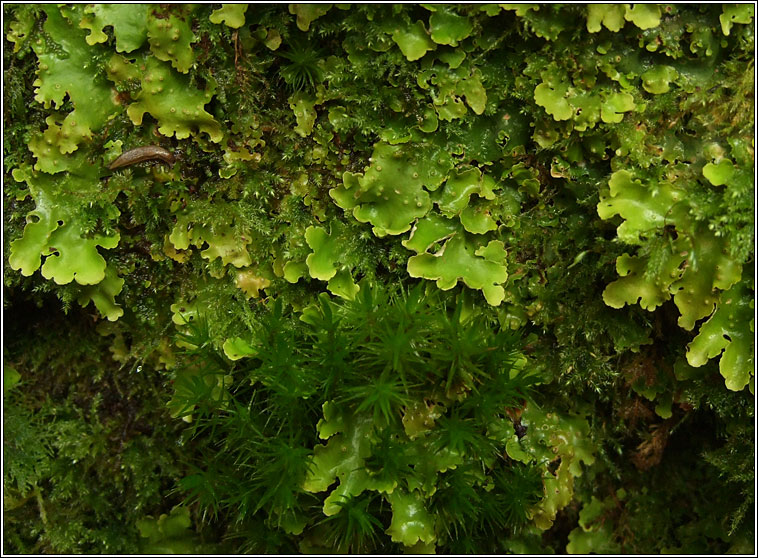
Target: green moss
456, 279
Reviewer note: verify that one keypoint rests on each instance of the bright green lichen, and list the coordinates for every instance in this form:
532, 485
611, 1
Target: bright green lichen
394, 190
637, 285
708, 268
411, 522
414, 42
609, 15
65, 69
342, 459
461, 257
308, 13
519, 149
449, 86
323, 263
305, 113
645, 208
57, 228
447, 27
173, 102
735, 13
726, 331
455, 195
719, 174
226, 242
233, 15
657, 79
550, 436
171, 39
103, 295
129, 24
644, 16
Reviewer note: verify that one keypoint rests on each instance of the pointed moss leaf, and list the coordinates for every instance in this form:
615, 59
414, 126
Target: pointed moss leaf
479, 267
709, 267
656, 80
645, 208
178, 107
729, 330
411, 522
171, 39
104, 295
610, 15
614, 106
391, 193
236, 348
414, 42
719, 174
308, 13
735, 13
129, 22
342, 285
232, 15
447, 28
644, 16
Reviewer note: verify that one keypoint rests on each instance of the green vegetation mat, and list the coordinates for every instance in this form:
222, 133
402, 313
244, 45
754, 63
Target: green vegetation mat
378, 278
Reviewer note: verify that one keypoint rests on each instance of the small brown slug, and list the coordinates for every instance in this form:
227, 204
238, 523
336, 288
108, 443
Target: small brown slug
140, 154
